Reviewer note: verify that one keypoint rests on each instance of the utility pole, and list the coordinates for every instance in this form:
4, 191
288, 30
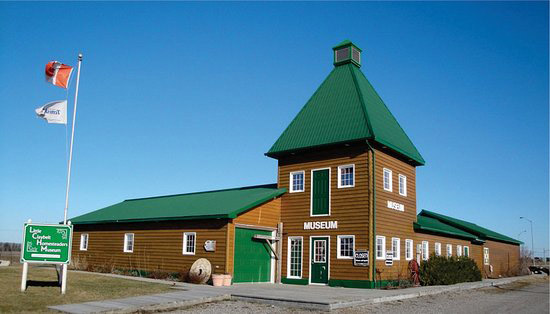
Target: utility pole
532, 242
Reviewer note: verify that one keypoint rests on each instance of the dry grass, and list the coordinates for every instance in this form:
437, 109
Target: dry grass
80, 288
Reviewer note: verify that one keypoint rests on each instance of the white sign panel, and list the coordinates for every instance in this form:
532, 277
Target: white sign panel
389, 258
396, 206
314, 225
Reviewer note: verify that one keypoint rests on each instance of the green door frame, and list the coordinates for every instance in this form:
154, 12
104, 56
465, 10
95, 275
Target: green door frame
311, 257
311, 209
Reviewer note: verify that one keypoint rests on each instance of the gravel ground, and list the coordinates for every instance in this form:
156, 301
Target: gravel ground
529, 296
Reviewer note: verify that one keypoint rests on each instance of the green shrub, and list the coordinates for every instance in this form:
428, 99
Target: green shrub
440, 270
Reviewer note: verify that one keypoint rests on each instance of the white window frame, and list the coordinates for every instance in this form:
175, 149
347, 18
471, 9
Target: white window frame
125, 249
458, 250
425, 250
410, 245
82, 237
288, 268
486, 260
396, 250
449, 250
340, 186
340, 237
184, 249
404, 185
383, 255
466, 248
389, 173
437, 249
291, 185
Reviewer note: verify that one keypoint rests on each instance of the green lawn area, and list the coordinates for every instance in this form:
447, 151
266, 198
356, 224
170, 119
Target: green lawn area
81, 287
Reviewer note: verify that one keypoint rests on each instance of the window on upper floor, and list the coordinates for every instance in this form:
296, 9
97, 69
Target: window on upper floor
396, 248
296, 181
387, 180
380, 247
346, 176
438, 249
402, 185
408, 249
346, 246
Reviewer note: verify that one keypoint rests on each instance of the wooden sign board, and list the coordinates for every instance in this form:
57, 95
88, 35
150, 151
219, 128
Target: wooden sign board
361, 258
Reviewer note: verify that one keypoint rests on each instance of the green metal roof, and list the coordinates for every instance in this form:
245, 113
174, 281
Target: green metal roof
429, 224
345, 108
202, 205
480, 232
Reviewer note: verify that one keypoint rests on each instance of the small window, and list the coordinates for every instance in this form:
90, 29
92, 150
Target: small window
189, 241
342, 54
380, 247
449, 250
408, 249
356, 55
294, 263
84, 242
346, 246
319, 251
396, 248
128, 242
425, 250
438, 249
402, 185
486, 256
387, 180
346, 176
459, 250
296, 181
466, 251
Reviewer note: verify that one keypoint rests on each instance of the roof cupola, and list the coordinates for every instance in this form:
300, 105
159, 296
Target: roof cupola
347, 52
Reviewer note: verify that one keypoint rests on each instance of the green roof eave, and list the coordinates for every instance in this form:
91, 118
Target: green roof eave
275, 194
418, 227
418, 159
88, 222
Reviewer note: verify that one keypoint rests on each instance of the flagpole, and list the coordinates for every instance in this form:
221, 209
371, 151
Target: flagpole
72, 141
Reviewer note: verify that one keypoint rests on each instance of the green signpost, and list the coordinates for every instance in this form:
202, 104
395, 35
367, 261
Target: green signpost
46, 244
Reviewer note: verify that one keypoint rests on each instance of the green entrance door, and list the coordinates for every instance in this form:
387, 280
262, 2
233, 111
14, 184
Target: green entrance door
252, 258
319, 260
320, 193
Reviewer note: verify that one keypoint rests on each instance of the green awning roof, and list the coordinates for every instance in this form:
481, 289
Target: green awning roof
433, 225
202, 205
345, 108
480, 232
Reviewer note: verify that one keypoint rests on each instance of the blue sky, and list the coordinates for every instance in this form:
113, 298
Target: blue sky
182, 97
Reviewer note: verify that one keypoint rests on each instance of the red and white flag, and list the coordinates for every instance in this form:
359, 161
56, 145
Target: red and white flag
58, 73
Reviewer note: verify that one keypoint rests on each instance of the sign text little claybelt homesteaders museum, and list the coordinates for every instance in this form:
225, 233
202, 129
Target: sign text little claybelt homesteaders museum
46, 243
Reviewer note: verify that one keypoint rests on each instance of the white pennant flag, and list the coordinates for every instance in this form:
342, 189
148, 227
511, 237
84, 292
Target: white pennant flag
54, 112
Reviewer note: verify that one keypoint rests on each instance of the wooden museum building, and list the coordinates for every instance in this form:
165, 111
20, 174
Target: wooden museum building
342, 213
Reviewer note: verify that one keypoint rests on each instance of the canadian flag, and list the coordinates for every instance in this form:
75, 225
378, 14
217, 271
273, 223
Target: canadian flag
58, 73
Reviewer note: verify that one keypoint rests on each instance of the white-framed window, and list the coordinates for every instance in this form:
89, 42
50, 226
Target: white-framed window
485, 256
346, 246
189, 243
396, 248
408, 249
295, 256
438, 249
380, 247
387, 180
425, 250
402, 185
346, 176
459, 250
297, 181
466, 251
449, 250
84, 242
128, 242
319, 251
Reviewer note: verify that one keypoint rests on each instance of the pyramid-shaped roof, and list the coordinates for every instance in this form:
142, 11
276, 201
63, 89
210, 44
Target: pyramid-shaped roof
345, 108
